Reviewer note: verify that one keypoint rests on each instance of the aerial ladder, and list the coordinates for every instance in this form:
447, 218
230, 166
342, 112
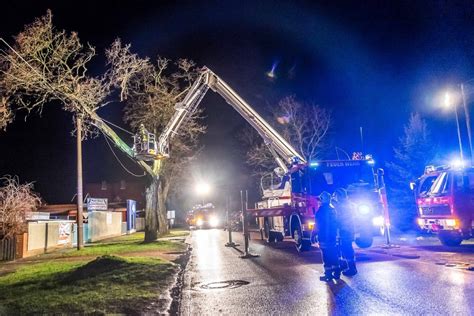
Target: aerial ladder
285, 155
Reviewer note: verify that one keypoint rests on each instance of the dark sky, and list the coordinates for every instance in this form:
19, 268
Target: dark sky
370, 62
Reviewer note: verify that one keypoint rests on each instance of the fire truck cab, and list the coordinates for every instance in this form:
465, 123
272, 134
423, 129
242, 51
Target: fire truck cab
448, 207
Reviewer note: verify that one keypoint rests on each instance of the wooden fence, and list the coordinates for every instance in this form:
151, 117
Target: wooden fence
7, 249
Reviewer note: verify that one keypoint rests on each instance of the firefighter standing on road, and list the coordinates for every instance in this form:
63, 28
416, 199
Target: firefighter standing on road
326, 227
345, 222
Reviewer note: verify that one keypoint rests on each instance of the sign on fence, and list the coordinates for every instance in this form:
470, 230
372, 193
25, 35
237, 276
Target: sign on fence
171, 214
95, 204
65, 230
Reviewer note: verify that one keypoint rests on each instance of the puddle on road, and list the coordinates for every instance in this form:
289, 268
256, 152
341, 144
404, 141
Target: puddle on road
231, 284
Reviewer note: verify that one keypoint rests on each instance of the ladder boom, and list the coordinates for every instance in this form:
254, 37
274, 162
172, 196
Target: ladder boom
283, 152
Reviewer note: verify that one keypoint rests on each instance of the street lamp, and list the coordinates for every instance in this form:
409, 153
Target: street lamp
448, 102
468, 123
202, 189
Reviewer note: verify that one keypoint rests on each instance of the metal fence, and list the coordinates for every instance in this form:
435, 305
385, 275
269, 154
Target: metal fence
7, 249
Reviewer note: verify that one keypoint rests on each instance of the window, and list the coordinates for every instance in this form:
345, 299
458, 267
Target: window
425, 186
441, 184
123, 185
103, 187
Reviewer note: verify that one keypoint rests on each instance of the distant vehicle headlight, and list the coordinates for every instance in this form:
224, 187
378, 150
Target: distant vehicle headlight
213, 221
363, 209
451, 222
199, 222
378, 221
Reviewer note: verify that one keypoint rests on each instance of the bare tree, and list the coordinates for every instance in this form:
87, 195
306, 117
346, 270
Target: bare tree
305, 126
46, 65
16, 200
49, 66
151, 92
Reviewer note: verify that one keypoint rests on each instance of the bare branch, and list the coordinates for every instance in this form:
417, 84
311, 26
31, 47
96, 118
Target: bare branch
16, 200
305, 126
151, 92
44, 65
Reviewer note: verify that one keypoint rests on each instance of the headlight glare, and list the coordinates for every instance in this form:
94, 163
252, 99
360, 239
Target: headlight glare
363, 209
378, 221
213, 221
451, 222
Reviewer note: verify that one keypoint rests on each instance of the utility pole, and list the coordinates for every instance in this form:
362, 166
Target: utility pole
80, 240
245, 224
230, 243
468, 122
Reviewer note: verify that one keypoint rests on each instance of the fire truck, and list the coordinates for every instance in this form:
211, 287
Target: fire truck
203, 216
289, 205
447, 208
288, 208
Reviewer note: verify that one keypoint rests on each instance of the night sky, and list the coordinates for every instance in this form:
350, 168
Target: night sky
370, 62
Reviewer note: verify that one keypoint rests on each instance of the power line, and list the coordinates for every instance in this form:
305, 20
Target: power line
121, 128
119, 161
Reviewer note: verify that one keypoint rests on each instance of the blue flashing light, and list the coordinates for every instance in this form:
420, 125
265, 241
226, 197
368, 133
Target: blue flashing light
314, 164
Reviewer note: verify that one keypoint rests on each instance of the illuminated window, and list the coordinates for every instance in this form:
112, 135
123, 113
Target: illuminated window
123, 185
104, 186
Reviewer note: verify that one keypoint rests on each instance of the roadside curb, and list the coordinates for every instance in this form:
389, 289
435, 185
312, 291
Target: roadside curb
175, 291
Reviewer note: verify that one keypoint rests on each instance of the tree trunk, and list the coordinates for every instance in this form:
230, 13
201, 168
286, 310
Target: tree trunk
156, 222
162, 210
151, 212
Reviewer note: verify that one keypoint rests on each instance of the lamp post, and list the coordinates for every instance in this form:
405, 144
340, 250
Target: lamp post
468, 123
448, 103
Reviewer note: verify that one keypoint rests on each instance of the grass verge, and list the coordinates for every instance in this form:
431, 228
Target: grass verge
108, 284
123, 244
54, 284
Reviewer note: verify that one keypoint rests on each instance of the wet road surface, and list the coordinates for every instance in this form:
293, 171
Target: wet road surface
420, 277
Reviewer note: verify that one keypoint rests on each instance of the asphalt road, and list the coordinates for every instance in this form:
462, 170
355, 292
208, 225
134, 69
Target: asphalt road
419, 277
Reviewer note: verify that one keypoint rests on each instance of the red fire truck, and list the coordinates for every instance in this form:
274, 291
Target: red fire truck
289, 210
203, 216
448, 207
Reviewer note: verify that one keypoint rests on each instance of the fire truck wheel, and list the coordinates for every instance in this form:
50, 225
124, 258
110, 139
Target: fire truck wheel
271, 237
450, 239
364, 241
266, 228
301, 244
279, 237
